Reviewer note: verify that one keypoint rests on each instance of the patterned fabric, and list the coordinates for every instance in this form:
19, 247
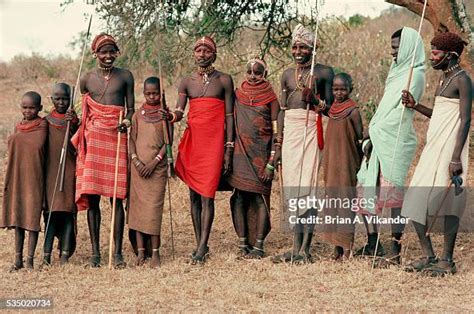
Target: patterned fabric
96, 145
206, 41
101, 40
302, 35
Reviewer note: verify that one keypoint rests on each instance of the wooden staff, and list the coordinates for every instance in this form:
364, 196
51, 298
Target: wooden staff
114, 198
169, 153
410, 75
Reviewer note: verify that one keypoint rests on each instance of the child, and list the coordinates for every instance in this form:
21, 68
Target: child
256, 111
63, 207
341, 161
24, 179
148, 172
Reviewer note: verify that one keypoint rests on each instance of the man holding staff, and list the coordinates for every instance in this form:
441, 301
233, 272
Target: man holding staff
106, 91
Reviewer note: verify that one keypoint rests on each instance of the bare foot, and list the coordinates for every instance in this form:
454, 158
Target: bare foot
155, 260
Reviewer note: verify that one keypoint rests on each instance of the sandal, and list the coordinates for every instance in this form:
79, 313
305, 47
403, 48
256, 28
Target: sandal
441, 268
421, 264
199, 260
119, 263
95, 261
255, 253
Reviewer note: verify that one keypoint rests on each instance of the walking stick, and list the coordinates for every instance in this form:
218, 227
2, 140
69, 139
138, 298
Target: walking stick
311, 86
410, 75
456, 181
114, 198
169, 154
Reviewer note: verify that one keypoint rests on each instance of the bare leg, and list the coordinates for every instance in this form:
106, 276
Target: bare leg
196, 209
119, 224
207, 218
19, 241
239, 208
307, 235
49, 240
93, 221
397, 233
263, 218
32, 242
155, 257
141, 248
451, 226
67, 237
425, 241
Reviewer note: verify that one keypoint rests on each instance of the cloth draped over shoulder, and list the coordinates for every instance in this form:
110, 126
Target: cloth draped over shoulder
147, 195
201, 150
253, 140
386, 122
63, 201
96, 146
431, 176
23, 192
341, 160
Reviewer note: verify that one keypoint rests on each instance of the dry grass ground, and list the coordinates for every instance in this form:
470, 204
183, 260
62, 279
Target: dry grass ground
225, 284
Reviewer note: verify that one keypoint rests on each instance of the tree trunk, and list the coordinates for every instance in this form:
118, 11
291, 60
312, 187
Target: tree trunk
444, 16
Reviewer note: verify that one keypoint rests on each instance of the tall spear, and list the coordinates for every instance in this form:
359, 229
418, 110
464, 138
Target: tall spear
169, 153
410, 75
311, 86
62, 159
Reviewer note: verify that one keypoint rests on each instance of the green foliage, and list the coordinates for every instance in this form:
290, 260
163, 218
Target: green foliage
356, 20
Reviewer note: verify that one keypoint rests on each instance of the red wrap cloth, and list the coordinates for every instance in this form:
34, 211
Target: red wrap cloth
201, 150
319, 128
96, 145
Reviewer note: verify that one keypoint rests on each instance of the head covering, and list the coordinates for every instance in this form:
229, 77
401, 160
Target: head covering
257, 59
302, 35
386, 124
206, 41
449, 42
101, 40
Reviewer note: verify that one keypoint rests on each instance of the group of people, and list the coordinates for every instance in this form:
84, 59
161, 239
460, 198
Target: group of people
236, 140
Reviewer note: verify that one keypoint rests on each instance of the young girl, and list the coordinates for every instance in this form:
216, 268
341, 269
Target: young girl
24, 179
148, 173
256, 112
341, 161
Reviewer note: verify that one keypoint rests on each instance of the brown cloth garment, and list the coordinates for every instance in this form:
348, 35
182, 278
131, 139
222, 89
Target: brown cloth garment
341, 160
63, 201
146, 195
24, 179
252, 150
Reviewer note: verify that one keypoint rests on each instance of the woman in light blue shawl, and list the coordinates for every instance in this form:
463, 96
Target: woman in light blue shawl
392, 136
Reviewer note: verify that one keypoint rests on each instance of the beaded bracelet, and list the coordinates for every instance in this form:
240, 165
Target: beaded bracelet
158, 157
455, 162
174, 117
270, 167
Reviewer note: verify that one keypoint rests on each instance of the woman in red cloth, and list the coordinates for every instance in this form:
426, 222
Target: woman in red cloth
256, 111
207, 144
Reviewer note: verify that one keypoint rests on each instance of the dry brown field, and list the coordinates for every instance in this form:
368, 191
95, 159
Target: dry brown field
224, 283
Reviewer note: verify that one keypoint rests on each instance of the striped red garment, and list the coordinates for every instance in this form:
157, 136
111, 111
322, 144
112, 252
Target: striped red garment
96, 144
